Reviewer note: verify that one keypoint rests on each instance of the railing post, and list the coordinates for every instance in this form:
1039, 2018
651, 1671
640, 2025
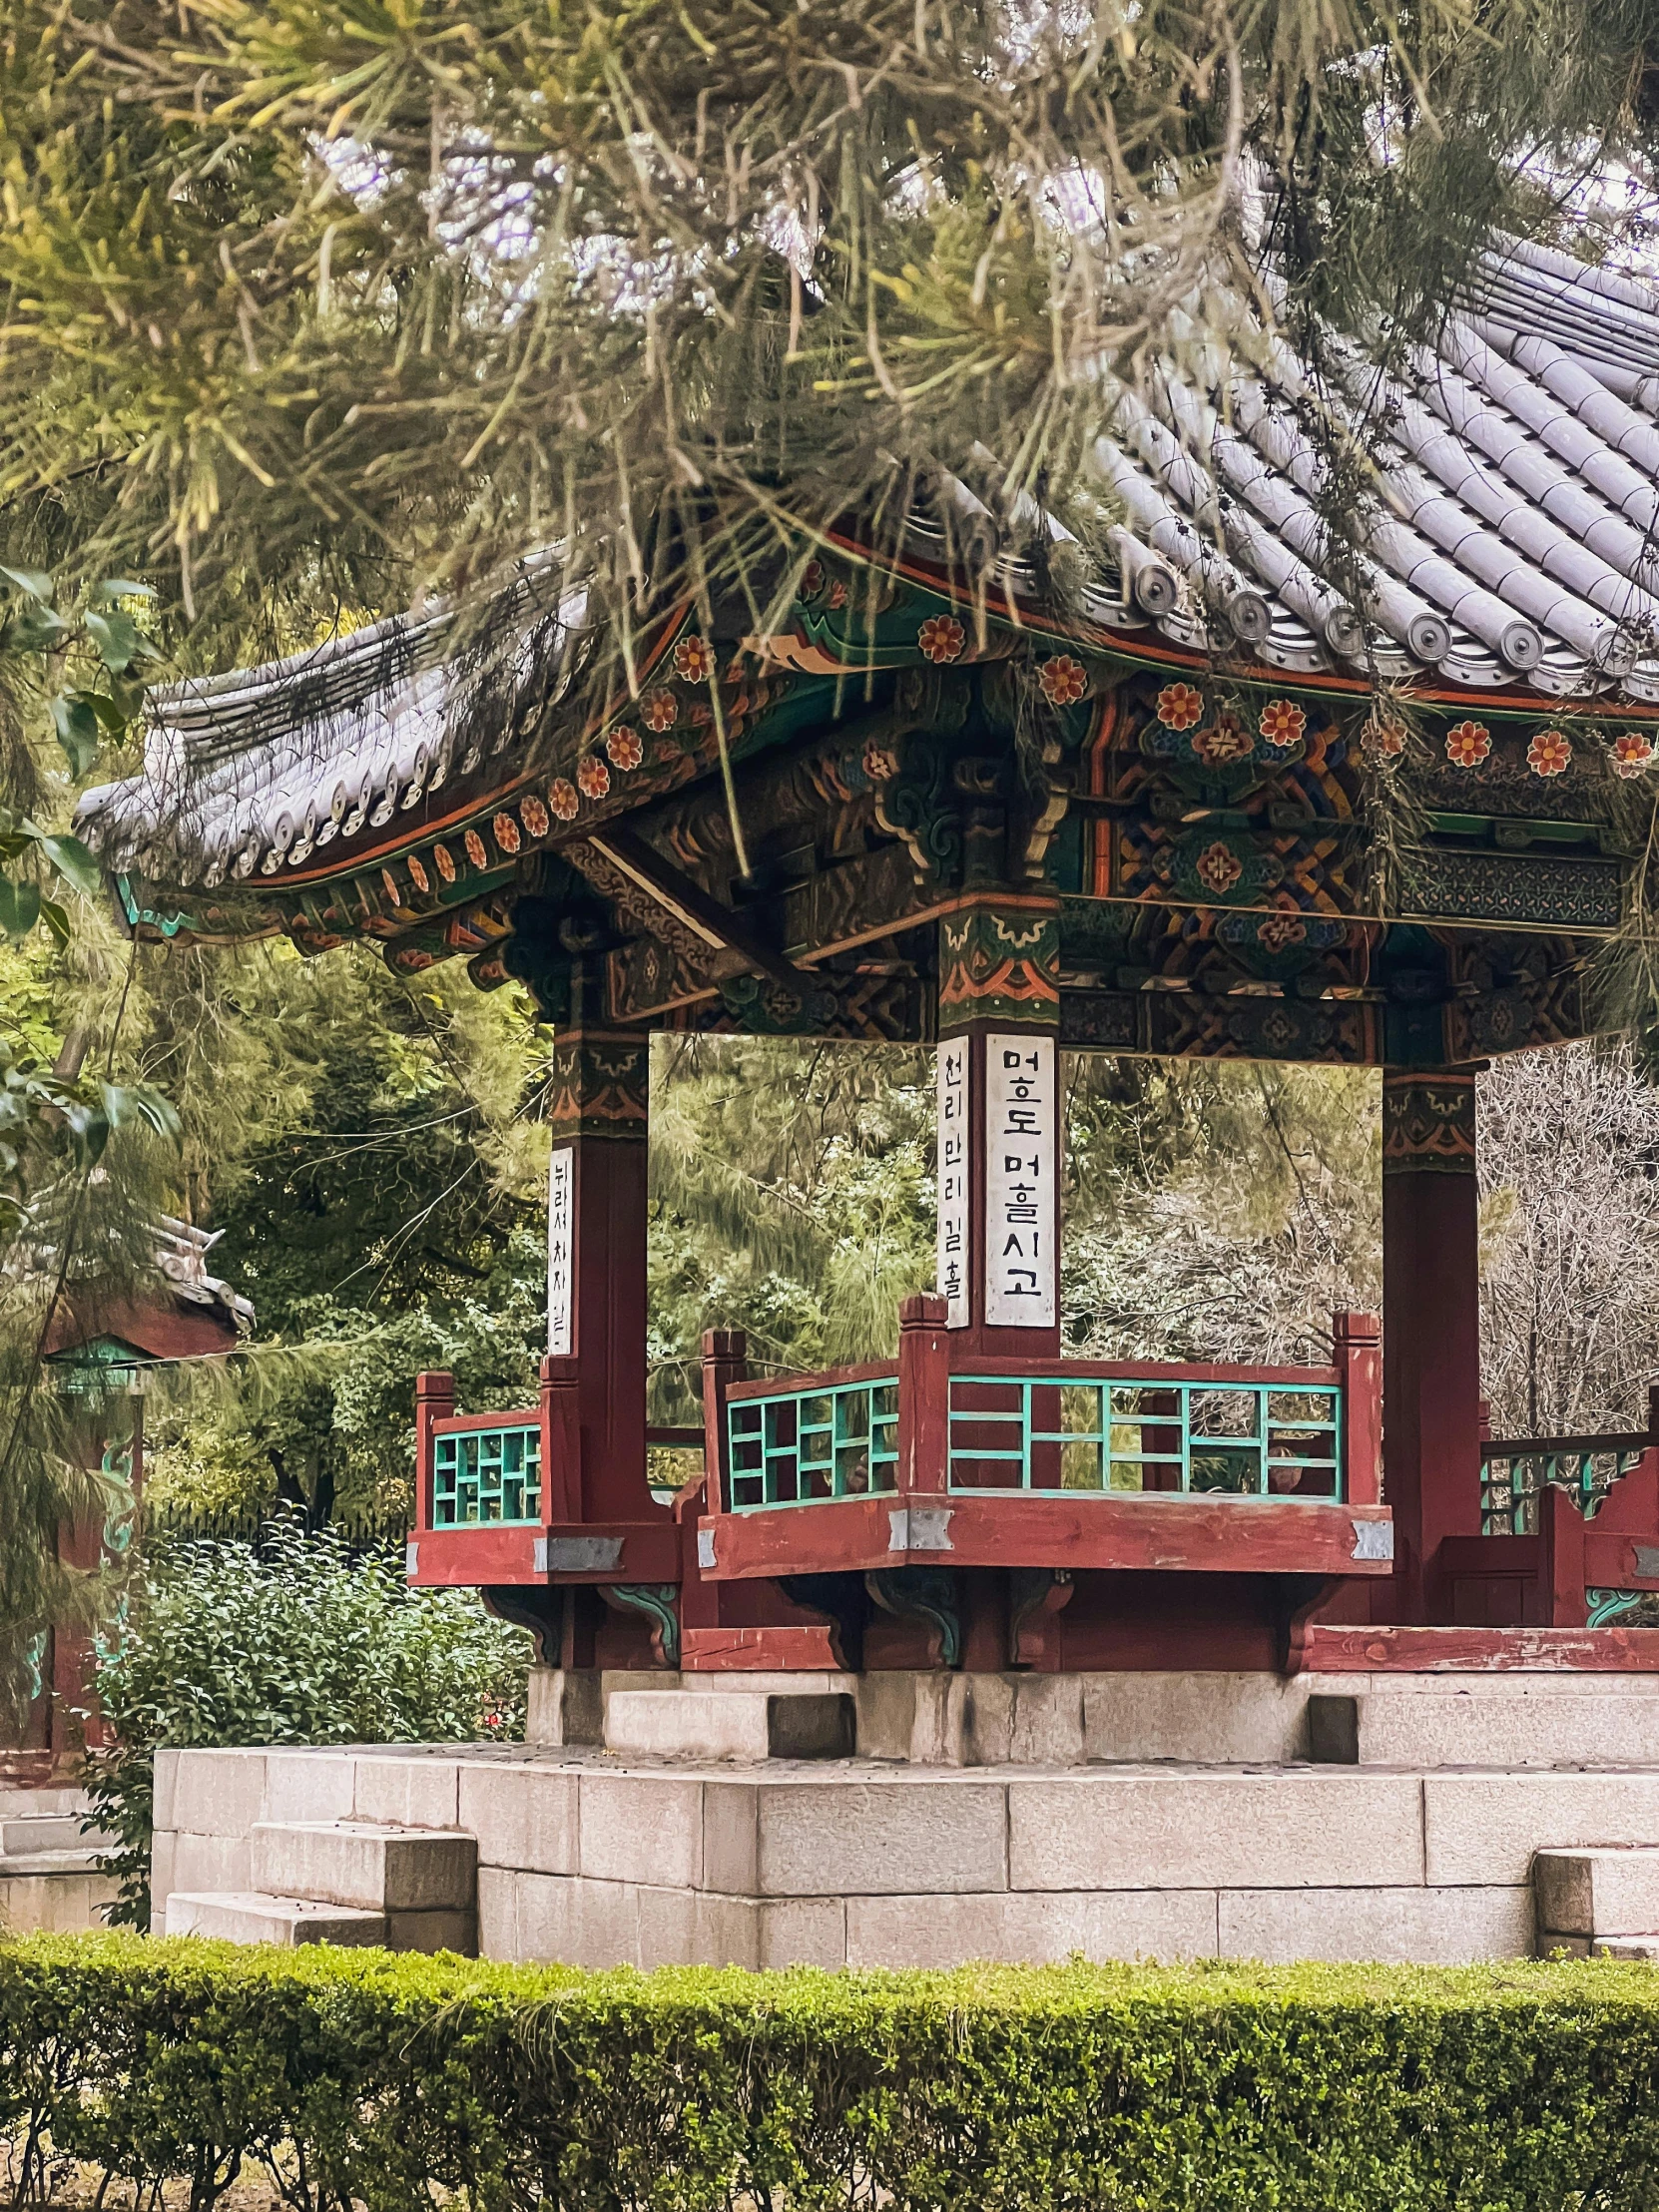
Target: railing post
1561, 1532
724, 1361
561, 1443
923, 1394
435, 1402
1359, 1361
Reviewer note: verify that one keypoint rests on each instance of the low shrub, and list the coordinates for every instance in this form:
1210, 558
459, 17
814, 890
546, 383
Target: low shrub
389, 2083
298, 1639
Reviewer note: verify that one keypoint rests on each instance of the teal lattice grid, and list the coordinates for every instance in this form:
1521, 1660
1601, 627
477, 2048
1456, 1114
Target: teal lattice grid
803, 1446
486, 1475
1246, 1440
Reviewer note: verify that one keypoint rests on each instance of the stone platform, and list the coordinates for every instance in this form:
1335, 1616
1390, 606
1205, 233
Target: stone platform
49, 1877
1393, 1818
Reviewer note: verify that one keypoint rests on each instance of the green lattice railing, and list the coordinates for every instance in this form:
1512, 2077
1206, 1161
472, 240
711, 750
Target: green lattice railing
1245, 1440
1514, 1474
487, 1476
800, 1447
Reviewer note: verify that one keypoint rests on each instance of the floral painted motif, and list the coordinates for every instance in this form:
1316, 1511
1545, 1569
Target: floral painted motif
1384, 740
941, 638
1224, 741
508, 833
1283, 722
394, 889
445, 860
624, 747
1468, 744
594, 777
475, 852
812, 580
693, 659
1217, 868
561, 797
1632, 752
534, 816
1062, 679
660, 709
1550, 754
418, 876
1180, 706
838, 595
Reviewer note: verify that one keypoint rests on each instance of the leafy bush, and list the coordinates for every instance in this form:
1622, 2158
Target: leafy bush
390, 2082
292, 1641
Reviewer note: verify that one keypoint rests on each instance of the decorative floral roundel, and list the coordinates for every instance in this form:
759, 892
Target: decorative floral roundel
1180, 706
594, 777
624, 747
1384, 740
1468, 744
693, 659
660, 709
1283, 723
941, 638
1632, 752
417, 875
534, 816
1217, 868
446, 862
475, 849
561, 797
1550, 754
507, 834
1062, 679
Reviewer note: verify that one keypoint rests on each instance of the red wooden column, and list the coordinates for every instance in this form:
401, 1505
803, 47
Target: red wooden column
1430, 1328
596, 1299
999, 1126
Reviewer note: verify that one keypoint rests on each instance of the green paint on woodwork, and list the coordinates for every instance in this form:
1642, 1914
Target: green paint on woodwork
800, 1447
1054, 1434
487, 1476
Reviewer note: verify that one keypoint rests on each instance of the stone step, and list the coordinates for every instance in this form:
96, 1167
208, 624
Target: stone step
375, 1869
1596, 1894
727, 1725
15, 1864
1516, 1724
17, 1802
251, 1917
257, 1917
50, 1832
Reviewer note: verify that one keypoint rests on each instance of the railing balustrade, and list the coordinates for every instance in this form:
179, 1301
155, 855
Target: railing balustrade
799, 1447
1213, 1438
489, 1475
1515, 1471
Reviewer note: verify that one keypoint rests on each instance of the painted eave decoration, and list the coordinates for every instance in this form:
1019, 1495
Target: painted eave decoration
393, 782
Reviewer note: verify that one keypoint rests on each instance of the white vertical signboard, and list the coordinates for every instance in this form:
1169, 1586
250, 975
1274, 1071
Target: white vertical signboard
1023, 1240
561, 1248
953, 1181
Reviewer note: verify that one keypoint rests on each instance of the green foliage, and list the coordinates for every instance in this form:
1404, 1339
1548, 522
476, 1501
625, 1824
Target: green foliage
359, 2077
296, 1641
367, 1153
307, 303
791, 1197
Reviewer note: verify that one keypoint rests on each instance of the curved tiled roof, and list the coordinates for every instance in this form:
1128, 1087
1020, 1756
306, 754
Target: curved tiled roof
1510, 540
246, 772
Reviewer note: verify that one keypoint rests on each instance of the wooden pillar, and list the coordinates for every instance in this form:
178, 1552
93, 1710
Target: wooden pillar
999, 1126
1430, 1328
596, 1282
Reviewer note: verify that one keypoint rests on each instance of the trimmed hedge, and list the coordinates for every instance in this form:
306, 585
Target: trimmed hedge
359, 2077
